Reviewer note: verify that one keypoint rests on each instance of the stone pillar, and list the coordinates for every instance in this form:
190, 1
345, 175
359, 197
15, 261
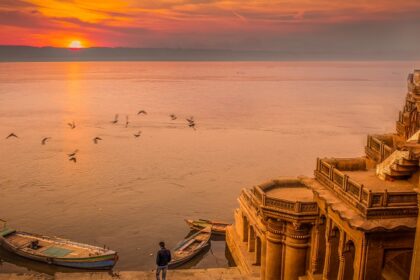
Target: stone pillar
360, 259
258, 250
296, 247
263, 256
238, 222
331, 252
415, 263
341, 266
251, 239
274, 251
245, 225
327, 250
317, 247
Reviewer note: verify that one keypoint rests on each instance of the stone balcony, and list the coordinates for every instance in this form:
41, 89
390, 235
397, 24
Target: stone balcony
356, 183
285, 198
379, 147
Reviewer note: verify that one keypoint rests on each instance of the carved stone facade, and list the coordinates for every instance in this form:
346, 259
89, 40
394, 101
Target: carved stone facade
356, 219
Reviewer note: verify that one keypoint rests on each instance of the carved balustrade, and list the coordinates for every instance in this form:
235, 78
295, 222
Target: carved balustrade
367, 202
377, 149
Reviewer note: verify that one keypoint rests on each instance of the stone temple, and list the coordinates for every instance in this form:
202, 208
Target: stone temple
356, 219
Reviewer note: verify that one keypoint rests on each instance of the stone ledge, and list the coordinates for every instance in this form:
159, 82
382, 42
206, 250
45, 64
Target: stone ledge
179, 274
240, 254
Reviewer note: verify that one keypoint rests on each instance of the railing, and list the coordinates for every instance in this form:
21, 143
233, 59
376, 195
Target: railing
377, 149
286, 205
257, 197
369, 203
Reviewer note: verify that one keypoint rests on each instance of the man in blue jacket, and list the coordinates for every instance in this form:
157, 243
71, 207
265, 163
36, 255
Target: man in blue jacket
162, 259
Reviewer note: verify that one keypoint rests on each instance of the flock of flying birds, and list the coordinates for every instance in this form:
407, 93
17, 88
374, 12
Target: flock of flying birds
72, 125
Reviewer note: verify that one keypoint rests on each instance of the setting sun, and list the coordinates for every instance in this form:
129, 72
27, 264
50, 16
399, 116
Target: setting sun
75, 45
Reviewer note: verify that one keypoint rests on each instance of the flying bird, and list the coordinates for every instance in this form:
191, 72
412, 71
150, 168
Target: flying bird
192, 125
72, 125
173, 117
126, 121
96, 139
115, 119
190, 120
138, 134
142, 112
73, 159
12, 135
73, 154
44, 141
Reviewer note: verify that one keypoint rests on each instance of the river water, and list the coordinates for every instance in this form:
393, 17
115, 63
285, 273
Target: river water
254, 121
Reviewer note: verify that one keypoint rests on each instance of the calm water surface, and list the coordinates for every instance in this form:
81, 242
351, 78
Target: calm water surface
255, 121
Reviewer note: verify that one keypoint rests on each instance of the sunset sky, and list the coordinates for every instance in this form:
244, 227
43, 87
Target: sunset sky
377, 25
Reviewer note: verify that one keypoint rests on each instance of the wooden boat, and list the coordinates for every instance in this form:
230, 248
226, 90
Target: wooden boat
57, 251
216, 227
190, 247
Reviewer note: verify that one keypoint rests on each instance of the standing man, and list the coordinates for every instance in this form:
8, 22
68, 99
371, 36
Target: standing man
162, 259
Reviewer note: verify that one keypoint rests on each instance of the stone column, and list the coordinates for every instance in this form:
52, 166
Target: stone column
415, 263
251, 239
331, 254
341, 244
258, 245
274, 251
245, 226
296, 247
317, 246
360, 259
263, 256
327, 250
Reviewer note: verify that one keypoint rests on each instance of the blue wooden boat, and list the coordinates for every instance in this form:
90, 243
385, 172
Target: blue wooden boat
190, 247
56, 251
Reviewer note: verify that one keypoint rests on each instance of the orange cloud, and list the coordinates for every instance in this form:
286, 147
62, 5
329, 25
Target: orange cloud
188, 23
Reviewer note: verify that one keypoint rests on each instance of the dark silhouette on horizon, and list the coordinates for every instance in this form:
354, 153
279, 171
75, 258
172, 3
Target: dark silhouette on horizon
29, 53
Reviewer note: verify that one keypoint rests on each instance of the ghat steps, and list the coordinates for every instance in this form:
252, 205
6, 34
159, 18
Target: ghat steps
181, 274
401, 164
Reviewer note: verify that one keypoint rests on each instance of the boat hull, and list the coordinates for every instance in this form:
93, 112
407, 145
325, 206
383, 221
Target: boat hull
101, 262
190, 247
185, 260
201, 224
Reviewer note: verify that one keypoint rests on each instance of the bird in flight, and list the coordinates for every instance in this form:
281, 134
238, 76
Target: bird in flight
192, 125
44, 141
12, 135
73, 159
72, 125
126, 121
115, 119
190, 120
138, 134
96, 139
173, 117
142, 112
73, 154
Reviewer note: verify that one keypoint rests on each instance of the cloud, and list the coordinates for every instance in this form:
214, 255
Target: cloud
237, 24
22, 19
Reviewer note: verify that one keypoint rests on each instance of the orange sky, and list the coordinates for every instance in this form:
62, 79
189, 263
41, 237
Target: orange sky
240, 24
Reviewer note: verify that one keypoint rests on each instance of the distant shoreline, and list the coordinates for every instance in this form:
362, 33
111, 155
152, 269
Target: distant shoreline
96, 54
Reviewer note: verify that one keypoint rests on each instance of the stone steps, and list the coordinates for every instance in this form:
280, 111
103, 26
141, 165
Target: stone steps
397, 166
180, 274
